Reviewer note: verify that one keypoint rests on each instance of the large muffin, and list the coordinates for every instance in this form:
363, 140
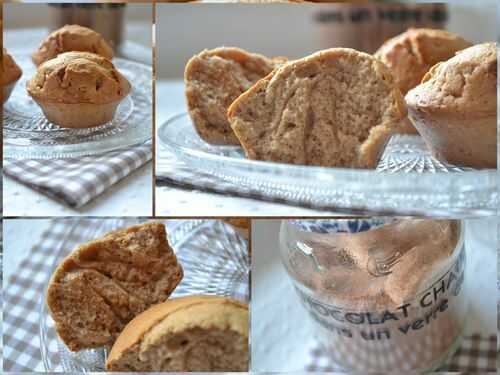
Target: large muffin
188, 334
78, 89
72, 38
410, 55
455, 108
11, 72
335, 108
214, 78
105, 283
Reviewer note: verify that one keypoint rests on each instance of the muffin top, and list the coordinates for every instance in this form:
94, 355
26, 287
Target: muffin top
410, 55
72, 38
11, 72
464, 84
78, 77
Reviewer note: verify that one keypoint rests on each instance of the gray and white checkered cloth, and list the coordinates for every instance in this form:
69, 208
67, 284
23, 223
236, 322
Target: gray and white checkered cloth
76, 181
476, 354
24, 291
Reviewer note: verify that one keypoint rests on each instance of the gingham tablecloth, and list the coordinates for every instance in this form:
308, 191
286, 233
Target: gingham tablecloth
23, 292
76, 181
477, 354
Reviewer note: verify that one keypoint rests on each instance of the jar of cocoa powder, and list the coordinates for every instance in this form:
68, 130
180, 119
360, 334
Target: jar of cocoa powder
385, 295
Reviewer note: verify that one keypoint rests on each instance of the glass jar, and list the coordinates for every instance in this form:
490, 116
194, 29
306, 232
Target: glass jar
385, 295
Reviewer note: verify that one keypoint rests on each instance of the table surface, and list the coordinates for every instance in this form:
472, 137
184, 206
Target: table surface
132, 196
173, 200
274, 298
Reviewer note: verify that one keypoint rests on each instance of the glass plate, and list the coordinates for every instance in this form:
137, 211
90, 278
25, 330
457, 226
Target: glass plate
214, 257
407, 181
28, 135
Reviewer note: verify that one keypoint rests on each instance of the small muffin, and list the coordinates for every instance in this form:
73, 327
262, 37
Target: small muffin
455, 108
411, 54
214, 78
335, 108
187, 334
78, 89
11, 72
72, 38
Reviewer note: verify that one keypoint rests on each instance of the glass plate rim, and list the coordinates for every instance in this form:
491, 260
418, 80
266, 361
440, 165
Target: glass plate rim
325, 173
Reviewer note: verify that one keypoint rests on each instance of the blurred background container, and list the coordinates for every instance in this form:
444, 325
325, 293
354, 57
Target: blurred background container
296, 30
127, 27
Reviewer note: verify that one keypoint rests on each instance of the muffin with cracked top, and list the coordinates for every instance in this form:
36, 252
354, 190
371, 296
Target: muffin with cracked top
78, 89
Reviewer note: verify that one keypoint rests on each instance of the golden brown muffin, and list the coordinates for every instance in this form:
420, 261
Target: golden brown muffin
196, 333
242, 225
455, 108
410, 55
214, 78
78, 89
105, 283
72, 38
11, 72
335, 108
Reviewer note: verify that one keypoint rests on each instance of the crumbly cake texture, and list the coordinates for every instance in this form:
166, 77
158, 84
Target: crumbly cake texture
78, 77
105, 283
455, 108
410, 55
335, 108
72, 38
214, 79
195, 333
11, 72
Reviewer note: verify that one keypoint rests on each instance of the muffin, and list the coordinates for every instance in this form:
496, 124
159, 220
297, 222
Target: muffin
187, 334
411, 54
105, 283
78, 89
72, 38
214, 78
335, 108
455, 108
11, 72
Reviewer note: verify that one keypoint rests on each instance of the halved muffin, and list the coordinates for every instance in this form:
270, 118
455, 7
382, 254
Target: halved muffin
214, 79
335, 108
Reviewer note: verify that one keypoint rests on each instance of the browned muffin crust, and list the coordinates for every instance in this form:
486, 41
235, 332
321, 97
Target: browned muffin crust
11, 72
214, 79
337, 107
410, 55
455, 107
72, 38
187, 334
78, 77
